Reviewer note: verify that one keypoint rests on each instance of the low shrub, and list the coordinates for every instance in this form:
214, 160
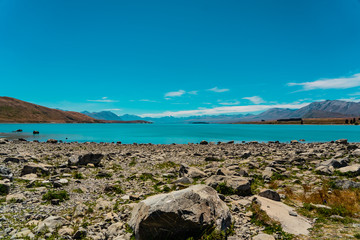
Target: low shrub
62, 195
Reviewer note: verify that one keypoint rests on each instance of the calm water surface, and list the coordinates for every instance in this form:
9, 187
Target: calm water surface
181, 133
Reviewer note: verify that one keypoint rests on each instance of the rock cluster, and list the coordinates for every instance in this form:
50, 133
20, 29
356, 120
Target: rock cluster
238, 191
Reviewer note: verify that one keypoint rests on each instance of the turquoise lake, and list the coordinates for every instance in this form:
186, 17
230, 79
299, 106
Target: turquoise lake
180, 133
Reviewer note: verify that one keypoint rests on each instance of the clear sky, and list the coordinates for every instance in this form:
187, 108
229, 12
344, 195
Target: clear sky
179, 58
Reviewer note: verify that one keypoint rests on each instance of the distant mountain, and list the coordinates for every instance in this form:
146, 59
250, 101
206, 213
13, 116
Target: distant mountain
104, 115
274, 113
14, 110
324, 109
328, 109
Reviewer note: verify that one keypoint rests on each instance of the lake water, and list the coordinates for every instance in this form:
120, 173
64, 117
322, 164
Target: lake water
181, 133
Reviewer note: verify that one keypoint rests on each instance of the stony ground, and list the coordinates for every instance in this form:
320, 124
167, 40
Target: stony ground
60, 191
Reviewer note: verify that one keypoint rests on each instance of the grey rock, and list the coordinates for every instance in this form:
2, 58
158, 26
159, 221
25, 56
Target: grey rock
52, 141
18, 198
36, 168
51, 223
184, 180
356, 153
278, 211
14, 160
352, 170
346, 184
5, 173
180, 214
270, 194
80, 234
263, 236
191, 172
341, 141
83, 160
241, 185
335, 163
325, 170
4, 187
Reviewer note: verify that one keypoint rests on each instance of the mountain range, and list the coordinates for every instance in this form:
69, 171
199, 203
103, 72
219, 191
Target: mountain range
14, 110
324, 109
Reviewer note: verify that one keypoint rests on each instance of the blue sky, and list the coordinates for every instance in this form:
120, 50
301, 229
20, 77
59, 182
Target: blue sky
158, 58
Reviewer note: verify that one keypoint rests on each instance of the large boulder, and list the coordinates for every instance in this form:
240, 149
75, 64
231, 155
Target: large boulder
180, 214
289, 220
85, 159
40, 168
191, 172
241, 185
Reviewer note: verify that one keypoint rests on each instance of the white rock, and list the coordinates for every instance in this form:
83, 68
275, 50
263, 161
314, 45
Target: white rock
279, 211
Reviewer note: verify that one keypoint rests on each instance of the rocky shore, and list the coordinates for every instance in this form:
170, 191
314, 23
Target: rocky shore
196, 191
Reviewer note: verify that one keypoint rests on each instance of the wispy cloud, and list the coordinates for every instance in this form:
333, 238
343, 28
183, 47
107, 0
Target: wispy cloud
147, 100
255, 99
350, 99
223, 110
113, 109
331, 83
179, 93
103, 100
175, 94
218, 90
234, 102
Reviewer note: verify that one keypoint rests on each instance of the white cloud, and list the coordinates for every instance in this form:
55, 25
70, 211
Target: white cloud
113, 109
235, 102
175, 94
223, 110
179, 94
103, 100
218, 90
350, 99
333, 83
147, 100
255, 99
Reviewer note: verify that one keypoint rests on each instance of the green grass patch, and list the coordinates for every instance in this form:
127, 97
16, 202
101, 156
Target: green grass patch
166, 165
62, 195
78, 175
133, 162
224, 189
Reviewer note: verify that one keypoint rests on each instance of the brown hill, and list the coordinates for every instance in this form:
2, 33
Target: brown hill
13, 110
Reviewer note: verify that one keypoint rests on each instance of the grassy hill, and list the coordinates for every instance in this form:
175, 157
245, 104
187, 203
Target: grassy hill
16, 111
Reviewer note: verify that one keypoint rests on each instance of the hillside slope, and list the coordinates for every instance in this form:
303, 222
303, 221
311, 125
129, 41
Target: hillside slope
13, 110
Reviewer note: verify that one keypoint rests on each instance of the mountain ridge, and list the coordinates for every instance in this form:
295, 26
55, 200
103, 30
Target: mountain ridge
323, 109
